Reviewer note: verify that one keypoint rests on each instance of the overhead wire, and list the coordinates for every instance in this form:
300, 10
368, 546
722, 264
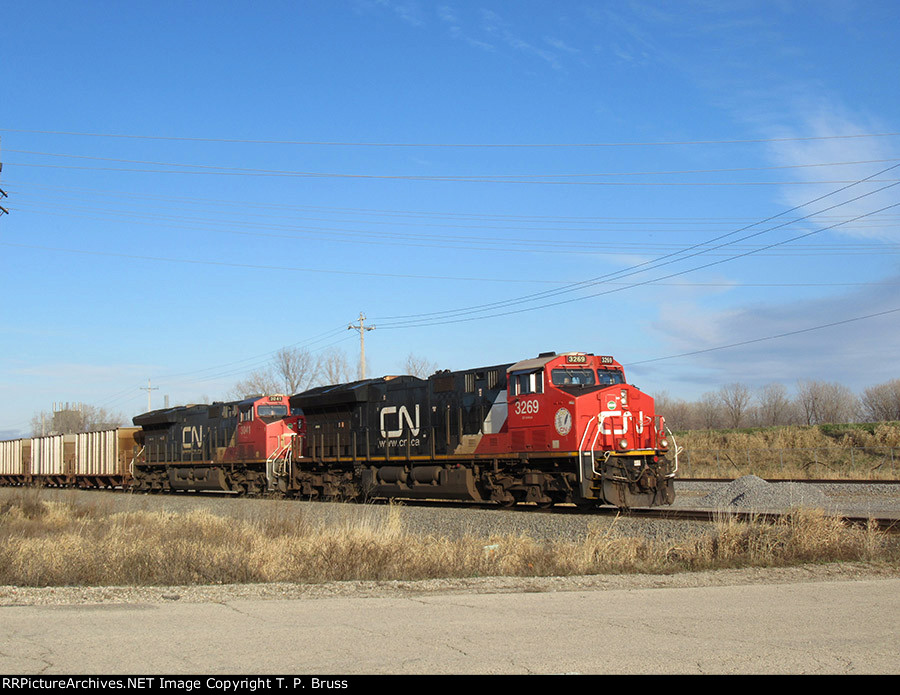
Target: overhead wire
766, 338
451, 179
617, 274
447, 176
241, 204
258, 141
424, 323
666, 259
520, 244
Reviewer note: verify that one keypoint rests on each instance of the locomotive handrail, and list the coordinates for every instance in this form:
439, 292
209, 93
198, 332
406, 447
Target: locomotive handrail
133, 459
581, 452
284, 453
594, 445
678, 450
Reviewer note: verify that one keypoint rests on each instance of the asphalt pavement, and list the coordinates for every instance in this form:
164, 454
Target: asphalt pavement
831, 627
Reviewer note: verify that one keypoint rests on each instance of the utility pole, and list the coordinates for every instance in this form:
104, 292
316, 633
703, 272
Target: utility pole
362, 342
148, 389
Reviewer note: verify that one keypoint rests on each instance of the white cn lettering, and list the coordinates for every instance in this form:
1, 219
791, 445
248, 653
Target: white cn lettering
615, 413
191, 436
403, 414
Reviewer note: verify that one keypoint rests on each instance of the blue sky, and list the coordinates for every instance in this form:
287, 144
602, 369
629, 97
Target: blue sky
193, 186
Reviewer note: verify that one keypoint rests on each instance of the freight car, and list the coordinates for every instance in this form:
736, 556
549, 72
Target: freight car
554, 429
102, 459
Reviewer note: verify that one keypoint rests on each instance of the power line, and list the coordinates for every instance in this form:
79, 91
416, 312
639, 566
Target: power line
243, 204
438, 179
517, 244
468, 176
259, 266
669, 258
450, 145
770, 337
425, 322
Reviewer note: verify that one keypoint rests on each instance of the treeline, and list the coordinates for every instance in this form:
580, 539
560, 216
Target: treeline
74, 419
736, 406
293, 370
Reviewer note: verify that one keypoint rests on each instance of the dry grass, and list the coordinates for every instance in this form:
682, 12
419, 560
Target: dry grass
869, 451
45, 543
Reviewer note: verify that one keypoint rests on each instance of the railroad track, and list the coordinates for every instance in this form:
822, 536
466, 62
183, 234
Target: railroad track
815, 481
887, 524
884, 523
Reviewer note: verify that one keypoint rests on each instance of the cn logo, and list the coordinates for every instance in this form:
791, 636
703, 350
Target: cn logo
402, 414
192, 437
626, 416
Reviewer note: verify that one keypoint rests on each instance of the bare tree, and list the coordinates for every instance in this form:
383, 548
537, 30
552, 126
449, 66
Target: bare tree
291, 371
823, 402
419, 366
82, 418
678, 413
335, 368
297, 369
735, 399
881, 402
261, 382
709, 411
774, 406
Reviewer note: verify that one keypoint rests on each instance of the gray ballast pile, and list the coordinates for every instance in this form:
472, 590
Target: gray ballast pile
756, 494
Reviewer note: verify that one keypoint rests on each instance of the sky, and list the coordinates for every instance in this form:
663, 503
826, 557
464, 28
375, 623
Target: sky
707, 191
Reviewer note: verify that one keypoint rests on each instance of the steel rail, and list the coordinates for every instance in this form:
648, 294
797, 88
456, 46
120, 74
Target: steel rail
817, 481
882, 523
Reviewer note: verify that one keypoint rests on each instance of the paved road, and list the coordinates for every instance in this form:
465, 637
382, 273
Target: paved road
809, 627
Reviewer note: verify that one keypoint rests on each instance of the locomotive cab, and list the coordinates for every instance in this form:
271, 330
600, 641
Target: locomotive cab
263, 428
581, 403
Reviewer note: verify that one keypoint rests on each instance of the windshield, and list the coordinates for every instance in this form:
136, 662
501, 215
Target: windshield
610, 376
572, 377
272, 410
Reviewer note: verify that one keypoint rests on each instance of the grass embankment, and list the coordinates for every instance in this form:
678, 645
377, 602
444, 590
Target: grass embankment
44, 543
862, 450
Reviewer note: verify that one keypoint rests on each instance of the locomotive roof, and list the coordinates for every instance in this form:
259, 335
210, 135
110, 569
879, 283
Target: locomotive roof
540, 361
168, 415
351, 392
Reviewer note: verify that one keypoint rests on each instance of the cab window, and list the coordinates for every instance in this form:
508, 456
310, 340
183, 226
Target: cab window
572, 377
607, 377
528, 382
271, 410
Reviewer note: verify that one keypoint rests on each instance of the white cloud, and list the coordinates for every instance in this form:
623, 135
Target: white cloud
857, 354
875, 151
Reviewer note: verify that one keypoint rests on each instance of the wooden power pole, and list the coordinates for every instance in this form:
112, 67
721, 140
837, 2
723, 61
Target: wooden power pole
362, 342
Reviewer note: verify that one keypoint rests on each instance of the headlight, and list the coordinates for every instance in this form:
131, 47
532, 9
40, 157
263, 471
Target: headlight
623, 443
663, 443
